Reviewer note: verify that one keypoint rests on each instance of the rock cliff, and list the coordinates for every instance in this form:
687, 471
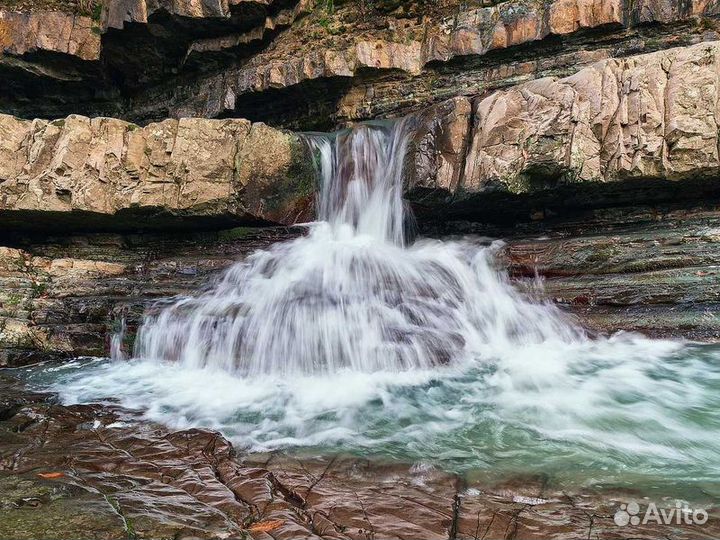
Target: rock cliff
581, 135
310, 63
637, 122
619, 127
103, 173
87, 56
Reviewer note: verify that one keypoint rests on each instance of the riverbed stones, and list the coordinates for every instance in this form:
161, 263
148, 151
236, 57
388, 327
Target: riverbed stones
68, 470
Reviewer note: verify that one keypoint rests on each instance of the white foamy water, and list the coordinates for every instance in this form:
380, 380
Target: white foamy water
350, 295
348, 340
623, 411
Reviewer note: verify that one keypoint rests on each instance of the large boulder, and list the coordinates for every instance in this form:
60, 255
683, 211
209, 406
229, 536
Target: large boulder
650, 116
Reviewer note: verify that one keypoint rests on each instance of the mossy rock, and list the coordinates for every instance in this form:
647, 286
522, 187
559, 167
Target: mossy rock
31, 509
89, 8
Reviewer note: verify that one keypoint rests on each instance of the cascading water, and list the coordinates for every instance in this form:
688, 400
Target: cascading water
347, 340
350, 295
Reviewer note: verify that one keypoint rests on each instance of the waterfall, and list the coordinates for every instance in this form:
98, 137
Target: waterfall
116, 343
350, 294
361, 173
351, 339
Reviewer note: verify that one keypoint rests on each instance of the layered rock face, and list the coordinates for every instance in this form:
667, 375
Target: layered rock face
311, 63
67, 295
424, 52
621, 125
630, 121
52, 31
648, 268
621, 132
197, 170
90, 56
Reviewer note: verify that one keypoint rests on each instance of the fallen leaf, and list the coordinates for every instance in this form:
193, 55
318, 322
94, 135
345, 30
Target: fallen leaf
51, 475
265, 526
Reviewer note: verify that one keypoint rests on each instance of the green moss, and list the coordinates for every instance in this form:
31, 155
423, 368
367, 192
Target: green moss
88, 8
299, 181
303, 168
129, 528
518, 184
13, 300
602, 254
39, 289
327, 5
325, 11
234, 234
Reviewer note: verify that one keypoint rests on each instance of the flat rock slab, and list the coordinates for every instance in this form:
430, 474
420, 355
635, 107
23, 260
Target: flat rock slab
99, 471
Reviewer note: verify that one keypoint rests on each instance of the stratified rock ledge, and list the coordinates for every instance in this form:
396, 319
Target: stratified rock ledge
646, 118
644, 122
104, 173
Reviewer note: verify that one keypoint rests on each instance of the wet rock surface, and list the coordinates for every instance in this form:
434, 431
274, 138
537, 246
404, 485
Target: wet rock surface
99, 471
65, 296
652, 270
